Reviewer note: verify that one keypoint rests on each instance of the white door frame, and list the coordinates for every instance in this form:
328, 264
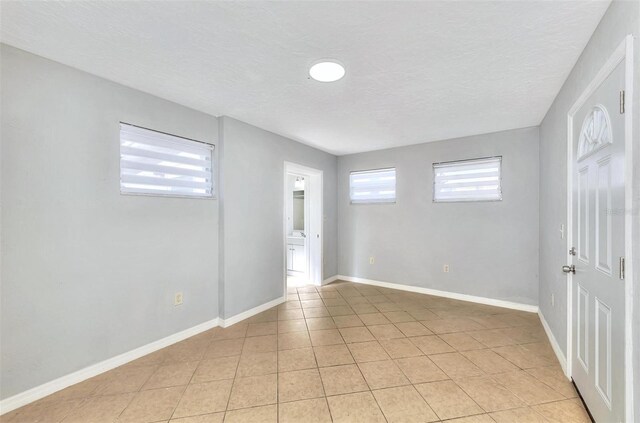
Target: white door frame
623, 52
314, 242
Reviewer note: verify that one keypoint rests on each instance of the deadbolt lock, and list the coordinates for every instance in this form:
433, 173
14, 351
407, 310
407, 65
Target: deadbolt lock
572, 251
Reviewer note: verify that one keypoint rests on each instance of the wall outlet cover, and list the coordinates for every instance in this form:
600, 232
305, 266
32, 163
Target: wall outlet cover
178, 299
372, 260
445, 268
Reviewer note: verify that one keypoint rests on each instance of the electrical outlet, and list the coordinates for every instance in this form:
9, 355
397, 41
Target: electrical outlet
372, 260
445, 268
178, 299
553, 300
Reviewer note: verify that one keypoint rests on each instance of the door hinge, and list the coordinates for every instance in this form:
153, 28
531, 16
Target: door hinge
622, 102
621, 267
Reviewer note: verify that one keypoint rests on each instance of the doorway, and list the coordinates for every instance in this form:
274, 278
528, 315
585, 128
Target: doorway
302, 225
599, 343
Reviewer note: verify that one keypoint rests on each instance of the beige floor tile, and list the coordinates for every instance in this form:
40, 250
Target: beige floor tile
319, 323
364, 308
555, 378
297, 359
309, 296
480, 418
431, 344
387, 306
153, 405
312, 303
448, 400
125, 379
239, 330
290, 314
342, 379
388, 331
307, 411
340, 310
404, 405
489, 362
297, 325
290, 305
205, 418
383, 374
204, 398
253, 391
216, 369
355, 408
420, 369
568, 411
263, 328
398, 316
293, 340
489, 394
174, 374
461, 341
299, 385
400, 348
413, 329
325, 337
332, 355
423, 314
524, 357
520, 415
374, 319
257, 364
44, 411
316, 312
492, 338
357, 300
452, 325
348, 321
264, 414
455, 365
527, 388
262, 343
96, 409
333, 302
224, 348
377, 299
367, 351
356, 334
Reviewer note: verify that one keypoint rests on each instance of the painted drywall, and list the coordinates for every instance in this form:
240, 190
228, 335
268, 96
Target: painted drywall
622, 18
491, 247
88, 273
253, 213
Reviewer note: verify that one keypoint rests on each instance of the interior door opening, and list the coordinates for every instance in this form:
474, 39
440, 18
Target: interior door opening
302, 225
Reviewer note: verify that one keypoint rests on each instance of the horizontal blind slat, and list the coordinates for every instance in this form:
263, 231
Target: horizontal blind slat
468, 181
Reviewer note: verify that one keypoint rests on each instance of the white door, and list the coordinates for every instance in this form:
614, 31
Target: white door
598, 235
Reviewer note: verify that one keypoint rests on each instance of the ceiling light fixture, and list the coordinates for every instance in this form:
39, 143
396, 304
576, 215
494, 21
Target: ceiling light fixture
327, 71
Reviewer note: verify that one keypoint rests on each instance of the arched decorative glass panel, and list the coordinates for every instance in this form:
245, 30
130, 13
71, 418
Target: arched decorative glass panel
595, 132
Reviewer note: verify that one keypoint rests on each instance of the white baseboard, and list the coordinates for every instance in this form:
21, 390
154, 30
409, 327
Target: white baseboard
225, 323
60, 383
329, 280
554, 344
446, 294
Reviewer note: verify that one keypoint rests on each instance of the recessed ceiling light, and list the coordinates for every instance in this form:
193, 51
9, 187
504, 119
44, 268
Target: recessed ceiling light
327, 71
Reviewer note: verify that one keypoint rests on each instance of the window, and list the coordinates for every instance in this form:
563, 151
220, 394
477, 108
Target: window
154, 163
373, 186
468, 180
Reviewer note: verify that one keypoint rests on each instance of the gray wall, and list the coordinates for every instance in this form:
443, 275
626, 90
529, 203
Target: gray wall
491, 247
88, 273
622, 18
252, 209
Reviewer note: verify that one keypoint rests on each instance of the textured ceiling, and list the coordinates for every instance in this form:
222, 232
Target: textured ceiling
416, 71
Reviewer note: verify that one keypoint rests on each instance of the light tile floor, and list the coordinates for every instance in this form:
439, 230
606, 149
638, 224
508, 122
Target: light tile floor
344, 353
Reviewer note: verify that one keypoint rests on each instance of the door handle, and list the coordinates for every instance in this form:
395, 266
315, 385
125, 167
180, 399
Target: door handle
569, 269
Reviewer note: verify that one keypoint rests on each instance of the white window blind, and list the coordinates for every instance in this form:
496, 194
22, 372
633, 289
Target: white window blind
468, 180
154, 163
373, 186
